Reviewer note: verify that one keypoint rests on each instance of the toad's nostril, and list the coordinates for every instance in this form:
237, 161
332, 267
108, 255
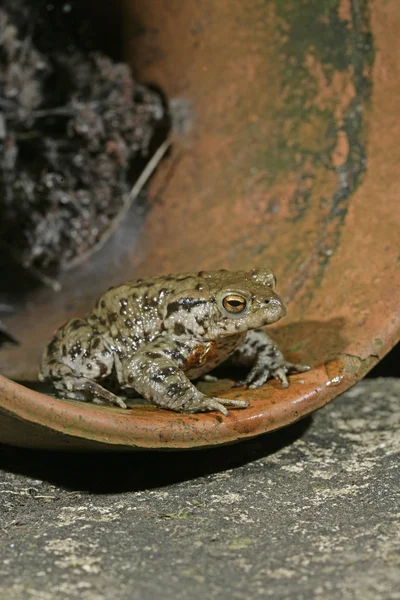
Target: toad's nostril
267, 301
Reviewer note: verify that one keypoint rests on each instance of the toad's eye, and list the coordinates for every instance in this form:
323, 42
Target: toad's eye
233, 303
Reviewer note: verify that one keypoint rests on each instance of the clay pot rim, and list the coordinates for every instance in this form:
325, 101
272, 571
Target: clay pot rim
148, 427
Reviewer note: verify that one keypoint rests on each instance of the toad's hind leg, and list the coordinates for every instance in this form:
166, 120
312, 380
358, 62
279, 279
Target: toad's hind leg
72, 385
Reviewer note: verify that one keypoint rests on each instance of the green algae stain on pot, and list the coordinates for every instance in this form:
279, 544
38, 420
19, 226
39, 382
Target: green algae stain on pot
326, 54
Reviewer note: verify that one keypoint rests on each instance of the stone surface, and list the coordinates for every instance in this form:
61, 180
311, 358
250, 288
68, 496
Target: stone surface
309, 512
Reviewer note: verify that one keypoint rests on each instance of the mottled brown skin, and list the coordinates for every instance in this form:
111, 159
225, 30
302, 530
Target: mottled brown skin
154, 336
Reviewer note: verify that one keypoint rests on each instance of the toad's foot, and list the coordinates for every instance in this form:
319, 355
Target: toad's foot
259, 375
206, 404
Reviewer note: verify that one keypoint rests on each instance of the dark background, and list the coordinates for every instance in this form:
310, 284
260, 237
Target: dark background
389, 366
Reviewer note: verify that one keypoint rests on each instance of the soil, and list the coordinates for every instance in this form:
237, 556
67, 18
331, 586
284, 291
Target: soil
76, 130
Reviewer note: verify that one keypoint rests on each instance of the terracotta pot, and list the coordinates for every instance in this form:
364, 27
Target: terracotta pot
285, 154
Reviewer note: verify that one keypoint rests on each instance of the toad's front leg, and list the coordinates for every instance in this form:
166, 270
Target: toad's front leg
262, 355
155, 375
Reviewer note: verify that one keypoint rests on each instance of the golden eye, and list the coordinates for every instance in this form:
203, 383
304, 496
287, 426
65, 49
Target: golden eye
234, 303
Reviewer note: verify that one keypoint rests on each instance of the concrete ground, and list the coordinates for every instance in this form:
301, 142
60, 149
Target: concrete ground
309, 512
